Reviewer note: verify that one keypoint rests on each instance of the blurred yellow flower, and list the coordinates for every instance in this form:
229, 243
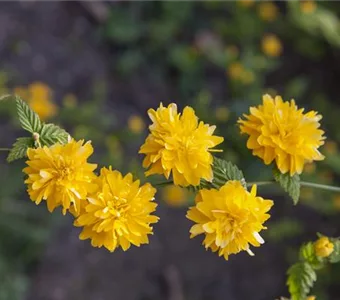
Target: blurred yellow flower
175, 196
311, 298
60, 175
267, 11
271, 45
70, 101
331, 147
246, 3
222, 113
231, 218
280, 131
323, 247
235, 70
247, 77
136, 124
178, 143
118, 214
39, 97
308, 6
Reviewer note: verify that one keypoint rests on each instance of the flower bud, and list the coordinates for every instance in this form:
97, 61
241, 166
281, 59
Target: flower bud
323, 247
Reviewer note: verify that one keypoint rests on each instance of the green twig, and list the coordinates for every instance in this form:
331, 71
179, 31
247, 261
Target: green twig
320, 186
302, 183
249, 184
5, 149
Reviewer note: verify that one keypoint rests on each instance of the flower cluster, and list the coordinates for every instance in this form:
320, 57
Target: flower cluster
113, 210
116, 211
280, 131
180, 145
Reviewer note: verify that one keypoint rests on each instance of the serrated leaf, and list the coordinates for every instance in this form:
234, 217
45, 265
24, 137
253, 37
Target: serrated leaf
307, 254
19, 148
223, 171
291, 184
301, 278
29, 120
51, 134
335, 255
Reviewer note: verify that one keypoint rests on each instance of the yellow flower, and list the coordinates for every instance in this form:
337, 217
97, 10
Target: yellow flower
235, 70
311, 298
231, 218
60, 175
39, 97
118, 213
246, 3
175, 196
280, 131
307, 6
267, 11
271, 45
178, 143
323, 247
222, 113
136, 124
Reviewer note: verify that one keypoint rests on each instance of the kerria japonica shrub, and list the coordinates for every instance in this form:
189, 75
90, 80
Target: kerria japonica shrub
115, 210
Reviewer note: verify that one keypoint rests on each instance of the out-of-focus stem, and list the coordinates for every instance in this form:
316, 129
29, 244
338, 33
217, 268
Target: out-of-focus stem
302, 183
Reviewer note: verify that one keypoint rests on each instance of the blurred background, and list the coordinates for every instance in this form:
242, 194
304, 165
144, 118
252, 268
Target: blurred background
95, 68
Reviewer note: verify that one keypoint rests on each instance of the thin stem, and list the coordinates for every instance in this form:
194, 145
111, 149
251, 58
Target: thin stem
320, 186
258, 183
5, 149
302, 183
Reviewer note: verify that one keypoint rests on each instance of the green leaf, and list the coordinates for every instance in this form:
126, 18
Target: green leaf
19, 148
307, 254
223, 171
51, 134
29, 120
335, 255
291, 184
301, 277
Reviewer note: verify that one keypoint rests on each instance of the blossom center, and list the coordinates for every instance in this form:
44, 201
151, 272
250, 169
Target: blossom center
227, 224
117, 207
64, 173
